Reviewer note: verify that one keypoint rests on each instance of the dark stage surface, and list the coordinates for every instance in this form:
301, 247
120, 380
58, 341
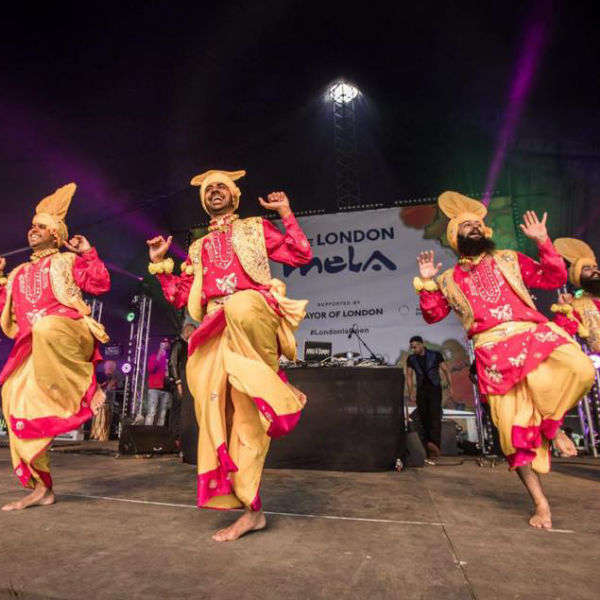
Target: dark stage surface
127, 529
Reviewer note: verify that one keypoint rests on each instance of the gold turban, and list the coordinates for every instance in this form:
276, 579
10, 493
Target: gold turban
578, 253
458, 209
52, 210
216, 176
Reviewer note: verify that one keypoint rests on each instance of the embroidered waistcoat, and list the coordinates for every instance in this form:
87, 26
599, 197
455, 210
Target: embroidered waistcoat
65, 290
508, 263
248, 240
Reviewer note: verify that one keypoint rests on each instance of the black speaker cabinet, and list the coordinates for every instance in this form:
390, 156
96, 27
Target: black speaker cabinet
145, 439
449, 440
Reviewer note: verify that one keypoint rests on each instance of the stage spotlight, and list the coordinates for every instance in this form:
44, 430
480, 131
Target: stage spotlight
126, 368
343, 92
130, 316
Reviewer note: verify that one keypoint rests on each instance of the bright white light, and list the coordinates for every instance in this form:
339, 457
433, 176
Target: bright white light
343, 92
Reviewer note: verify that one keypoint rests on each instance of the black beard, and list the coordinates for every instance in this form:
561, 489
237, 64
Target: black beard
591, 286
474, 247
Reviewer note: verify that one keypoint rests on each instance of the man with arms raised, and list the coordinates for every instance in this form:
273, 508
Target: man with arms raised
242, 398
48, 382
529, 369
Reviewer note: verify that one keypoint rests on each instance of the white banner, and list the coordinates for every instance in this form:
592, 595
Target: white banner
361, 274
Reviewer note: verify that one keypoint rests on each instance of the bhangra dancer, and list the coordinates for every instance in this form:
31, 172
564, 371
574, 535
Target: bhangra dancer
580, 315
242, 399
48, 382
529, 369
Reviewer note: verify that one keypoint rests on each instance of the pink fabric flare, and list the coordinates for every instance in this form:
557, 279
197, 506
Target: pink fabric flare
216, 482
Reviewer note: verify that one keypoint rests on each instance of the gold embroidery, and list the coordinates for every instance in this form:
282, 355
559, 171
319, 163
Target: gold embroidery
194, 304
227, 284
249, 245
65, 290
63, 283
519, 360
250, 248
8, 319
590, 317
544, 337
493, 374
502, 313
508, 264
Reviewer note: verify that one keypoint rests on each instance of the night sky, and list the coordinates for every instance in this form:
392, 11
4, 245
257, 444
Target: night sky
132, 99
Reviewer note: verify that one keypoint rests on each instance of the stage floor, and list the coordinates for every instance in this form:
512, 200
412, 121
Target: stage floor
127, 528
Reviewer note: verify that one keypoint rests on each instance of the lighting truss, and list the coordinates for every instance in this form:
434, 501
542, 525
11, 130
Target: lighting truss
137, 358
347, 181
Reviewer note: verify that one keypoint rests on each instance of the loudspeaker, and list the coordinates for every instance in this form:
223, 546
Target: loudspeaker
415, 453
146, 439
449, 441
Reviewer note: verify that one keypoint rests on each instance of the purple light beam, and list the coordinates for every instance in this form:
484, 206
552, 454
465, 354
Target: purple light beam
535, 39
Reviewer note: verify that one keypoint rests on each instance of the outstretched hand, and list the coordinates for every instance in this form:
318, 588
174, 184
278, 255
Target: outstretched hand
533, 228
158, 247
427, 267
279, 202
78, 244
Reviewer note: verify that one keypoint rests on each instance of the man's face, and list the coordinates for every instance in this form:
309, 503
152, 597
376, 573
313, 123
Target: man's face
164, 347
416, 347
472, 230
590, 279
218, 199
110, 366
40, 237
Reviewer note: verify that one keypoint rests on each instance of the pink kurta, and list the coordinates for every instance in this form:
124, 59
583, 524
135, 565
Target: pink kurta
223, 273
493, 301
33, 299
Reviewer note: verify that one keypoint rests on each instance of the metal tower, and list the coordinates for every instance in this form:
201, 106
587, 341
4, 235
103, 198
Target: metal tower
347, 181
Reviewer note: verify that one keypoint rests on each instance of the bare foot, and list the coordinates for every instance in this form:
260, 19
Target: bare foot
301, 396
249, 521
41, 496
97, 400
542, 518
432, 450
564, 444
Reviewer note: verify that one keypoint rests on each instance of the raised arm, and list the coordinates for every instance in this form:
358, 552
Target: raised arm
550, 272
433, 304
89, 272
176, 288
292, 247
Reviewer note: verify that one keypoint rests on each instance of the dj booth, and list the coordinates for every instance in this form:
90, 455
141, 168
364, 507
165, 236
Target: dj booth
353, 421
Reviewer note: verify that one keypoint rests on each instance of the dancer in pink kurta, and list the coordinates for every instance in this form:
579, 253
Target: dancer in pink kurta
529, 369
48, 381
242, 398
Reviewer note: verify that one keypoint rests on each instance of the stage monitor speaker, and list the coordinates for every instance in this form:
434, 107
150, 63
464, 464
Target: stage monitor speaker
147, 439
449, 440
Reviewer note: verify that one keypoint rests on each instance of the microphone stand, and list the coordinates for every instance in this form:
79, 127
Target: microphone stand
354, 331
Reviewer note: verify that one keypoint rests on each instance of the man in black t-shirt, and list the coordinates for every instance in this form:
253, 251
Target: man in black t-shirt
427, 366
